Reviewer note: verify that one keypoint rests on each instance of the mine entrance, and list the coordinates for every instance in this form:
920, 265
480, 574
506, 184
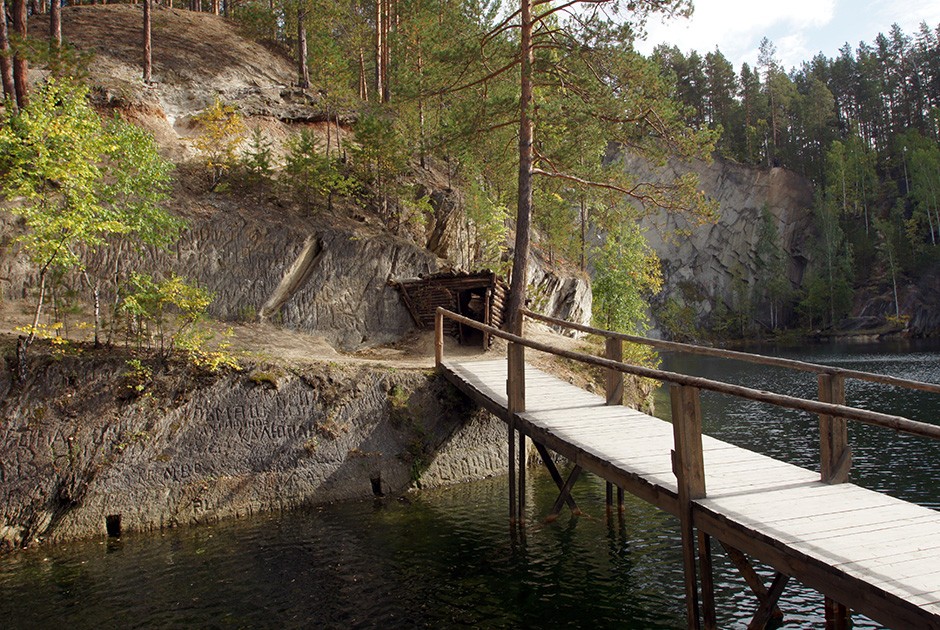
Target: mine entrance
480, 296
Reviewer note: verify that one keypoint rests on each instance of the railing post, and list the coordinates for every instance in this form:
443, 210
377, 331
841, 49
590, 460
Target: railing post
438, 336
688, 464
614, 378
835, 456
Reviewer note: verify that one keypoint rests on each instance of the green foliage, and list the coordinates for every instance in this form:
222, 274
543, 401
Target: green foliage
81, 184
313, 174
169, 314
50, 155
221, 131
137, 377
677, 320
258, 160
164, 309
490, 222
380, 160
203, 354
828, 291
773, 287
626, 273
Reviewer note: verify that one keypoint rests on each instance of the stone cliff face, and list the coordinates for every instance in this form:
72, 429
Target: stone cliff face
700, 262
78, 446
319, 273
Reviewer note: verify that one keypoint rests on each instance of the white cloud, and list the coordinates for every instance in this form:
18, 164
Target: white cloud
735, 26
792, 50
907, 13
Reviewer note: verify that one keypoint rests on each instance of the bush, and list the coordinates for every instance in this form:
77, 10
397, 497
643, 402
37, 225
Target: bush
221, 132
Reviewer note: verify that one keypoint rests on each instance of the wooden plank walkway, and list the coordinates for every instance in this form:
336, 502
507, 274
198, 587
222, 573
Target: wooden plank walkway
873, 553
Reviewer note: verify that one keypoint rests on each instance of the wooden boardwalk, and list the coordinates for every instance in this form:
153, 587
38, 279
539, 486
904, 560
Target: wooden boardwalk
870, 552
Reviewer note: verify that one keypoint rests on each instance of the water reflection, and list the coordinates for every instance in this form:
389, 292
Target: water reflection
446, 558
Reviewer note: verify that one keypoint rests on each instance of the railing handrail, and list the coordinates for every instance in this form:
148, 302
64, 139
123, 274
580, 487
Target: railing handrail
897, 423
758, 359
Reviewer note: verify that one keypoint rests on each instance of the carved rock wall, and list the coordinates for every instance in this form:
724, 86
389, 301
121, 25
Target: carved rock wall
77, 448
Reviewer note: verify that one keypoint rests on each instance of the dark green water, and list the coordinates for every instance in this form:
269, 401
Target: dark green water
447, 558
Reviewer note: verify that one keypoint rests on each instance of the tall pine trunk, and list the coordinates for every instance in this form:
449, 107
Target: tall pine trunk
520, 258
20, 65
148, 56
379, 49
363, 84
303, 74
55, 23
6, 62
386, 52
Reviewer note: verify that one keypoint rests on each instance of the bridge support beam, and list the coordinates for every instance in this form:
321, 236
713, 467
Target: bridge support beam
754, 582
837, 615
765, 611
709, 616
556, 477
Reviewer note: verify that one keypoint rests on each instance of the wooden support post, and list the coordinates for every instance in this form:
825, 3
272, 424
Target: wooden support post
620, 499
689, 468
687, 431
837, 615
765, 610
522, 466
835, 456
609, 499
438, 336
614, 378
515, 386
556, 476
512, 470
515, 393
565, 492
709, 618
487, 317
750, 576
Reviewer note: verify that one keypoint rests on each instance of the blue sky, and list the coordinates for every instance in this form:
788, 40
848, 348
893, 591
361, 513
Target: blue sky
798, 28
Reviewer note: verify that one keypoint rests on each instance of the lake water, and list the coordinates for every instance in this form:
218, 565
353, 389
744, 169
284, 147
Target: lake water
447, 558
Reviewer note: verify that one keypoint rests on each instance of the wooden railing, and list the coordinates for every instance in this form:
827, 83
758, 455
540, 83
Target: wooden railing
685, 389
739, 356
835, 454
687, 457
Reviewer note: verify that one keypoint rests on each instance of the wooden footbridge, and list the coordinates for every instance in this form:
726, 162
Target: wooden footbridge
863, 550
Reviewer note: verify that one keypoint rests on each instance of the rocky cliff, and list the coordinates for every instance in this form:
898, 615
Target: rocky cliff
88, 439
701, 262
315, 270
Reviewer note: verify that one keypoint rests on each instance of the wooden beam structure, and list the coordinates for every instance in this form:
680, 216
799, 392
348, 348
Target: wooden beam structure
865, 551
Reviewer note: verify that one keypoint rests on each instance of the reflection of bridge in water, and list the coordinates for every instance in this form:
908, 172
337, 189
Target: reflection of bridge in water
863, 550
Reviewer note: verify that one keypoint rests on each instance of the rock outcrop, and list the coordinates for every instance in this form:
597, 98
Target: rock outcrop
81, 444
701, 262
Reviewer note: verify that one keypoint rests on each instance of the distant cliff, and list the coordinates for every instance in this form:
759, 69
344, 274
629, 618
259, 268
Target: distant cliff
701, 263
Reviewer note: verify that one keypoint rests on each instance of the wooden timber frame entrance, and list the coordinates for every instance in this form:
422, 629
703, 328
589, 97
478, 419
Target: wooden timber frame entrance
697, 527
479, 295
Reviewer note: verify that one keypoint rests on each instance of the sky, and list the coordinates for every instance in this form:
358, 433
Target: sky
798, 28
